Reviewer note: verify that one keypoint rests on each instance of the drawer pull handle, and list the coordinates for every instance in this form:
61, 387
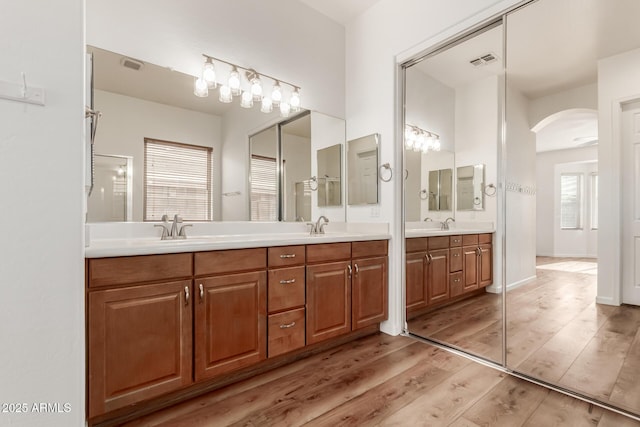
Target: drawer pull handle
357, 269
456, 280
289, 325
456, 254
288, 256
349, 268
201, 291
186, 295
286, 282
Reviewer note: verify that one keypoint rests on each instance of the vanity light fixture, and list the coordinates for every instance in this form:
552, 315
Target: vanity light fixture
418, 139
249, 85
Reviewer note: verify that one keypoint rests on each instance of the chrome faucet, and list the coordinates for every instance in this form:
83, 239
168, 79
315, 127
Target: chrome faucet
444, 225
320, 225
427, 219
175, 232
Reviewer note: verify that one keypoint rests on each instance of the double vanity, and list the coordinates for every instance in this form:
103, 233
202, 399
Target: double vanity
167, 319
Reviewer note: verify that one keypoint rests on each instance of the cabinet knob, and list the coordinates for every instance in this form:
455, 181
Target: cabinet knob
288, 325
286, 282
456, 254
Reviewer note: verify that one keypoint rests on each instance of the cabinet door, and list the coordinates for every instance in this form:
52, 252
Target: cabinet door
416, 273
139, 343
486, 265
369, 291
438, 276
470, 269
328, 301
230, 322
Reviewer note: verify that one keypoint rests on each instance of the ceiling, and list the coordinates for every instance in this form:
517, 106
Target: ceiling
341, 11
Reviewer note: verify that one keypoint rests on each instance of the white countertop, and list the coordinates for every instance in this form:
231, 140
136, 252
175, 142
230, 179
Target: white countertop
428, 229
113, 244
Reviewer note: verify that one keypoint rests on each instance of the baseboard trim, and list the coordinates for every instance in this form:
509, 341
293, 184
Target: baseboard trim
519, 283
606, 301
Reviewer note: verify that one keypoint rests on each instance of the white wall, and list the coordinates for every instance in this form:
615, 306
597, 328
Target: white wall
617, 82
551, 241
376, 42
42, 268
127, 121
581, 97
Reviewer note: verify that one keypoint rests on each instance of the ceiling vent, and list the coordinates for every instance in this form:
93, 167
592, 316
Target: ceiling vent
485, 59
131, 63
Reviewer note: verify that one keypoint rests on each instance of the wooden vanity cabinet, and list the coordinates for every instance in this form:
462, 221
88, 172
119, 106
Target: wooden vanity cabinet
369, 288
139, 335
485, 244
438, 269
328, 306
286, 299
230, 327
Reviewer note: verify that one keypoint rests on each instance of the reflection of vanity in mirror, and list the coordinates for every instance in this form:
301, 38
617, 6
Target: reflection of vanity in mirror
362, 170
140, 101
428, 185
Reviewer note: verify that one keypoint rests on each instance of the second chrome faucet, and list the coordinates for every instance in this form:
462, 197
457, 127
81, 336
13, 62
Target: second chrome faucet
318, 227
176, 231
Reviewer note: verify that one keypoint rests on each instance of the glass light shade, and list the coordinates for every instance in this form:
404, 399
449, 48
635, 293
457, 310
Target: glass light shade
436, 145
285, 109
294, 101
225, 94
408, 132
276, 94
247, 100
267, 105
209, 74
234, 82
421, 141
200, 87
408, 143
256, 89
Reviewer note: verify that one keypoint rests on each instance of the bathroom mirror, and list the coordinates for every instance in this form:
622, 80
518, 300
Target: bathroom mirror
156, 102
362, 170
470, 188
452, 293
330, 176
424, 196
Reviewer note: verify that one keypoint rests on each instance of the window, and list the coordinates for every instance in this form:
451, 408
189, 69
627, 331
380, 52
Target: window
570, 201
177, 180
264, 189
594, 201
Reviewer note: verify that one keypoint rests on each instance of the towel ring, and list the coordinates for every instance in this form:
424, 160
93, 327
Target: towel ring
312, 180
424, 193
386, 166
490, 193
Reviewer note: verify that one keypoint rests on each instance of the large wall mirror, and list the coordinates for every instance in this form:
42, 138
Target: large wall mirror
570, 97
447, 299
139, 100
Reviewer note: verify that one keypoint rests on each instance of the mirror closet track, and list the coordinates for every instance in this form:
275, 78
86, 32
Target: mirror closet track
542, 106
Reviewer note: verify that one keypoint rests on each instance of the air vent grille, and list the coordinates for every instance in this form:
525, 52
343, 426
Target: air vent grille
131, 63
485, 59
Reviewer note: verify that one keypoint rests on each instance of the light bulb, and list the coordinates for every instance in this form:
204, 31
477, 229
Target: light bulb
200, 87
285, 109
256, 89
436, 145
234, 82
247, 99
267, 105
421, 141
209, 74
225, 94
408, 132
294, 101
276, 94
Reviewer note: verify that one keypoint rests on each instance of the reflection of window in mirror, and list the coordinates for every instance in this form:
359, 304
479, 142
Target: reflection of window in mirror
264, 189
177, 181
571, 201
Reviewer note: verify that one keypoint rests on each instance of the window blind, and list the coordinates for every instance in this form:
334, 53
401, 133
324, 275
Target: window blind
264, 200
177, 180
570, 203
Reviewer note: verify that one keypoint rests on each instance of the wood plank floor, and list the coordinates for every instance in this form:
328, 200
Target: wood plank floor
555, 332
381, 380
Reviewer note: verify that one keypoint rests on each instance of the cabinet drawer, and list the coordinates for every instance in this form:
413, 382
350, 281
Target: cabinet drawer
328, 252
469, 239
456, 285
369, 249
455, 240
440, 242
417, 244
286, 288
285, 256
455, 259
138, 269
228, 261
485, 238
286, 332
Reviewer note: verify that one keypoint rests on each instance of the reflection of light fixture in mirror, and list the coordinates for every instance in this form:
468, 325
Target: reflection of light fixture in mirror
418, 139
250, 82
